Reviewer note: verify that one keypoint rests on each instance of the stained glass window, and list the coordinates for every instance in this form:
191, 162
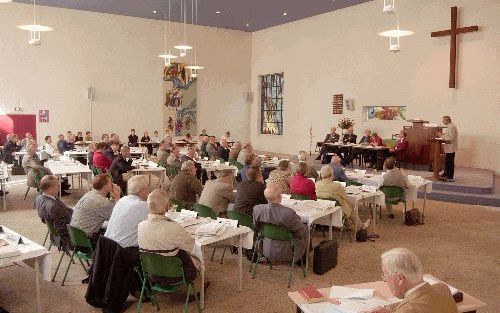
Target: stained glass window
271, 104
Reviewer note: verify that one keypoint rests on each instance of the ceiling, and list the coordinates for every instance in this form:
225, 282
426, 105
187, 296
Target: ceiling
234, 14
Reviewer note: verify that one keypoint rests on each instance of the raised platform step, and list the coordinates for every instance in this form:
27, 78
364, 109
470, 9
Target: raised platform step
465, 198
469, 180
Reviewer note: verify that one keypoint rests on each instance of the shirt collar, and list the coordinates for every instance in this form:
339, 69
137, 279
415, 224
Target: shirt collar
152, 217
409, 291
51, 197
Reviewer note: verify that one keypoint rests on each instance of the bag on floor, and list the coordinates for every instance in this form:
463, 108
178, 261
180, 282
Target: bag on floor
325, 256
362, 235
412, 217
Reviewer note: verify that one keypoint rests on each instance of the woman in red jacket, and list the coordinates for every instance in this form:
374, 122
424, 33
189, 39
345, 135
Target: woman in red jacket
300, 184
100, 160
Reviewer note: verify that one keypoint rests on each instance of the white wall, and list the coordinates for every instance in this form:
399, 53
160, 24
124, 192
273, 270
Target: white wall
340, 52
117, 55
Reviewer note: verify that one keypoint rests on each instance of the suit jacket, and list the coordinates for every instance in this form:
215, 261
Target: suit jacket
280, 215
223, 153
395, 177
332, 138
338, 172
132, 140
217, 195
55, 211
8, 151
118, 167
185, 187
451, 134
211, 151
30, 165
365, 139
302, 185
349, 138
428, 299
203, 150
249, 193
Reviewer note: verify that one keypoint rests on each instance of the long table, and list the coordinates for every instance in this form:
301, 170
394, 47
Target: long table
69, 167
4, 177
468, 305
30, 254
241, 236
356, 194
353, 150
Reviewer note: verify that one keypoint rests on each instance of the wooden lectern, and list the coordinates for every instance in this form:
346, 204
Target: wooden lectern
437, 142
420, 149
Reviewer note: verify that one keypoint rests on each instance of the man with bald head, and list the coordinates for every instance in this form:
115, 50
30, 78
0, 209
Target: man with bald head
275, 213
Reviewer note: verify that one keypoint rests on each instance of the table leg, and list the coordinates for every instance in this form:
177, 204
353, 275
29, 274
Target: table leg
4, 190
37, 286
330, 232
240, 264
59, 179
423, 207
308, 245
356, 209
202, 287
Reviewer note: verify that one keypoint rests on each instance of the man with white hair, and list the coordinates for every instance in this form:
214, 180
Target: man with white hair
235, 151
338, 169
191, 155
159, 234
275, 213
128, 212
403, 273
218, 193
247, 149
223, 150
185, 186
174, 158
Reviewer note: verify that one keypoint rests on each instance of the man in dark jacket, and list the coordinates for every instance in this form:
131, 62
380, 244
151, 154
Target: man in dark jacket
51, 209
122, 163
223, 150
250, 192
9, 148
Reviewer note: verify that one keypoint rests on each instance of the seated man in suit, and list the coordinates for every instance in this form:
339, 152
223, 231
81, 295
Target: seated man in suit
10, 148
223, 150
191, 155
394, 177
275, 213
50, 208
211, 148
218, 193
159, 234
338, 170
185, 186
120, 167
250, 160
133, 139
250, 192
332, 137
402, 271
174, 158
348, 138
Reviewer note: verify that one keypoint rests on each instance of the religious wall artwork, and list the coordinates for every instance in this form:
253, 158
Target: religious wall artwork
180, 104
271, 103
338, 104
453, 32
386, 113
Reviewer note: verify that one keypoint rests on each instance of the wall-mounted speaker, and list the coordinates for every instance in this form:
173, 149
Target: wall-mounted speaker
90, 93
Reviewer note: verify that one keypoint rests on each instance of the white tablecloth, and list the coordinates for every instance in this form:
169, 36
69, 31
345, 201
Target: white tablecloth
316, 212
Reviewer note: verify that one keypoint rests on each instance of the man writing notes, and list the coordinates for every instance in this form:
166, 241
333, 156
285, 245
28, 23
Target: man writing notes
403, 273
450, 134
332, 137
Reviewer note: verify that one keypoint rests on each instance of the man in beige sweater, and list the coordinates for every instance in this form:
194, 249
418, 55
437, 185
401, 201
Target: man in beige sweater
402, 270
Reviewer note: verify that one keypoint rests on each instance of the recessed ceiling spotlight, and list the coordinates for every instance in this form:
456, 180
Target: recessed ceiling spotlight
218, 12
285, 14
154, 11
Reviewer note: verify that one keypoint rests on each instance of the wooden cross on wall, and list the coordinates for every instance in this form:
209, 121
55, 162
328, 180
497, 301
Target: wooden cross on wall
453, 32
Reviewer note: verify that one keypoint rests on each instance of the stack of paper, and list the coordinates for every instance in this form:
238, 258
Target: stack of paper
210, 229
368, 188
431, 281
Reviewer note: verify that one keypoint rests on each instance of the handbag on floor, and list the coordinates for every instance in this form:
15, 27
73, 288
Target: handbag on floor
412, 217
362, 235
325, 256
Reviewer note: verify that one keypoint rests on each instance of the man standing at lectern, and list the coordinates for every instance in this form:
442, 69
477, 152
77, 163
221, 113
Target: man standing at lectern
450, 134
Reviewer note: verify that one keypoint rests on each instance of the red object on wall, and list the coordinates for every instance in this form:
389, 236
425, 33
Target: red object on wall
19, 124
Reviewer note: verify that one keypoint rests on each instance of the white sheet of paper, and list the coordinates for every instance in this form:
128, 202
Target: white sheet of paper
189, 213
341, 292
228, 222
431, 281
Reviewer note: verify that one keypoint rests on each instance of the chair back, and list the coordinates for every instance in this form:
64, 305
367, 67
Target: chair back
37, 176
275, 232
238, 165
297, 196
95, 170
232, 161
171, 170
52, 229
353, 183
204, 211
160, 265
393, 194
242, 218
79, 238
179, 203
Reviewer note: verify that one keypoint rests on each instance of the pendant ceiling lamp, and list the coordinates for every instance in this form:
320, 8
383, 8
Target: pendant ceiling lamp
167, 56
394, 34
389, 7
183, 47
35, 29
194, 67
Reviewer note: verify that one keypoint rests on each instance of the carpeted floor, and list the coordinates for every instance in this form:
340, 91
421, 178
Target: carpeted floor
458, 243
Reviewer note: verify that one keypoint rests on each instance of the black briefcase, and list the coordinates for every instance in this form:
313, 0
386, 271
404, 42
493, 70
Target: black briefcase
18, 170
325, 256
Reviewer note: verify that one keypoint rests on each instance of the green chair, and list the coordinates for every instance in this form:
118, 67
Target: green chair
394, 195
81, 246
204, 211
172, 171
37, 177
275, 232
163, 266
179, 203
238, 165
353, 183
52, 231
297, 196
243, 220
232, 161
